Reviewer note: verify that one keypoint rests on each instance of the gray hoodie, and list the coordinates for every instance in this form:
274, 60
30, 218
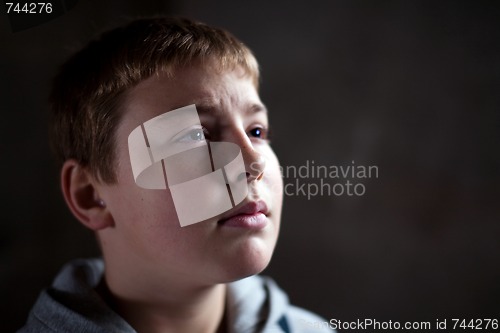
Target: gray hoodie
254, 304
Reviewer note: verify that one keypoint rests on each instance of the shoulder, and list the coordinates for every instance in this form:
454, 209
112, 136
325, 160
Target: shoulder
71, 304
35, 325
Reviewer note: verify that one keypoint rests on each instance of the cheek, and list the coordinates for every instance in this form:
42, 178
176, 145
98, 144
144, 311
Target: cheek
149, 227
141, 213
142, 208
156, 213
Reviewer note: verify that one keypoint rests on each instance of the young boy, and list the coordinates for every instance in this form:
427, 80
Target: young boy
162, 138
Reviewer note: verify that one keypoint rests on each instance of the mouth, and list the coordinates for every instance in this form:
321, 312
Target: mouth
251, 215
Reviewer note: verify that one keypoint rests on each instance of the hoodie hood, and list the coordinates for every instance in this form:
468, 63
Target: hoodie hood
71, 304
255, 304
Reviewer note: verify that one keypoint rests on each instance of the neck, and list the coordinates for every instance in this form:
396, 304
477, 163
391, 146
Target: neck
176, 310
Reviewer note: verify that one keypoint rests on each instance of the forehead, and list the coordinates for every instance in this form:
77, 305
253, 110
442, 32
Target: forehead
209, 89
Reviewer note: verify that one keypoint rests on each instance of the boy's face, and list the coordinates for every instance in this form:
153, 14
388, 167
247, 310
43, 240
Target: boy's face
146, 236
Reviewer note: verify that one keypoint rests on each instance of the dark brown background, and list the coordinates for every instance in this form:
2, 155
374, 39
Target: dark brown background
409, 86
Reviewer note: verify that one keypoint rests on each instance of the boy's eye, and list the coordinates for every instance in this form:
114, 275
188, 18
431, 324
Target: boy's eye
258, 132
196, 134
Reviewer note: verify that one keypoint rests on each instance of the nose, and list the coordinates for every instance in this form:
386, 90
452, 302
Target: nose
255, 162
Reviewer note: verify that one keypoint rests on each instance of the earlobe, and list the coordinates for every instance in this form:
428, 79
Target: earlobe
82, 196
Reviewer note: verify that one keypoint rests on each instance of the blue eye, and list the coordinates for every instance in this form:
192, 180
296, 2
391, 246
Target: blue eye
258, 132
196, 134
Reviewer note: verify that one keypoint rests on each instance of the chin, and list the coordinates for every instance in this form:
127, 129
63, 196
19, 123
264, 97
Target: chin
250, 258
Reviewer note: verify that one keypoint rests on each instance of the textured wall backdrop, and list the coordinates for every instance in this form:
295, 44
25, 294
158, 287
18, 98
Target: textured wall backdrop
411, 87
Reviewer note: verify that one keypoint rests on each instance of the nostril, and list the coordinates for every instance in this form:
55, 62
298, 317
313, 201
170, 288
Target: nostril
249, 175
257, 176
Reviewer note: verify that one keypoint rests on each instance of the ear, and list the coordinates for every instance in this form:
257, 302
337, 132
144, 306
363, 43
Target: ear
82, 196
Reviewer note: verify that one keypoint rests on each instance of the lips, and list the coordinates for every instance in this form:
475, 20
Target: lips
252, 215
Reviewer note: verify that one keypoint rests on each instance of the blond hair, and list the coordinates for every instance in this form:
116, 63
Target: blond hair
86, 94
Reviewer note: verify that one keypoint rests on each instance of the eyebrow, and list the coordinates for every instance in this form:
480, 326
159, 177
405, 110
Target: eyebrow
209, 108
258, 108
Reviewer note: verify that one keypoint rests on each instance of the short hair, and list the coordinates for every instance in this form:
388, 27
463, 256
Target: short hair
87, 93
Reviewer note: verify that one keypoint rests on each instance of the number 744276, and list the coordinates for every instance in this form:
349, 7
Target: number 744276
29, 7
